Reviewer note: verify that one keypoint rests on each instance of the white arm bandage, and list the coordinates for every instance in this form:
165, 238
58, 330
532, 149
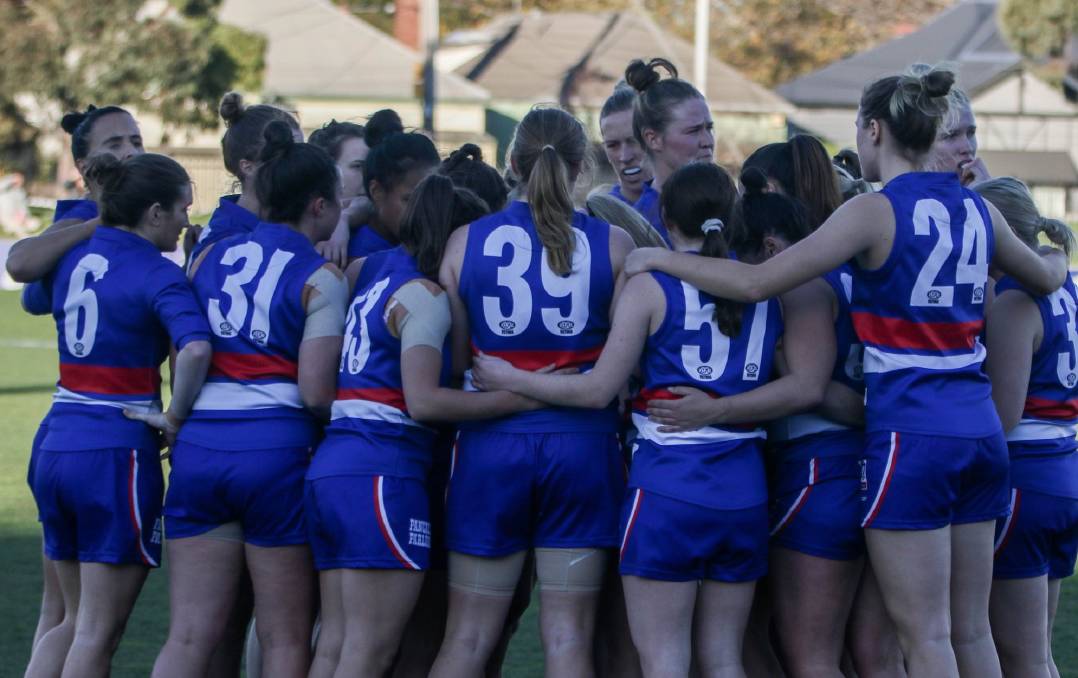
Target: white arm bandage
325, 309
426, 318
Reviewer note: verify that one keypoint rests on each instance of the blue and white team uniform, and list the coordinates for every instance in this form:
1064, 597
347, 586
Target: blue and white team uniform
97, 479
696, 507
364, 241
227, 220
935, 454
37, 300
366, 499
549, 478
244, 449
816, 481
1040, 536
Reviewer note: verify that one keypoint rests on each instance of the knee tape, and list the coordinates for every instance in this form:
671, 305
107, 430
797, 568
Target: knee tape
570, 570
486, 576
226, 532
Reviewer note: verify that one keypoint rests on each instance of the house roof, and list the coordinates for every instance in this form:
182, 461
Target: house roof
966, 34
1036, 168
317, 49
578, 57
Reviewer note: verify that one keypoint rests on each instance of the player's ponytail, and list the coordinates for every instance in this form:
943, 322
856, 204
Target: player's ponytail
656, 96
698, 202
1014, 201
130, 187
912, 105
80, 125
245, 125
290, 174
436, 209
466, 168
761, 213
549, 150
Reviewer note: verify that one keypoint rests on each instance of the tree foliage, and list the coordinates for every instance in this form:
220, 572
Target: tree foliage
1039, 29
171, 59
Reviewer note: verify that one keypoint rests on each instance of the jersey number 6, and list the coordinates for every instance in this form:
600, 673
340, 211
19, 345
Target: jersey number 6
82, 298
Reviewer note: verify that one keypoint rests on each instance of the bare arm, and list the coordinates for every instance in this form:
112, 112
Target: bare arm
32, 258
449, 279
809, 347
844, 405
864, 225
1040, 272
621, 243
633, 319
1013, 331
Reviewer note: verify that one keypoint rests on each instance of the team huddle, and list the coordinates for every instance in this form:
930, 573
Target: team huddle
777, 424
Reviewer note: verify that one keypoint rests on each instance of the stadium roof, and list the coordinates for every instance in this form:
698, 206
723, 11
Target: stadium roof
316, 49
578, 57
967, 34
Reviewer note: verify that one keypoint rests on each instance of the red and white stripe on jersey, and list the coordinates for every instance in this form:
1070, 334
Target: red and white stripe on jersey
235, 396
535, 360
252, 366
913, 335
1038, 429
63, 395
634, 512
135, 512
885, 482
372, 404
802, 497
109, 380
878, 360
649, 430
1044, 408
1012, 519
387, 529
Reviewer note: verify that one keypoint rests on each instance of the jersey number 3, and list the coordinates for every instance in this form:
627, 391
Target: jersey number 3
226, 325
576, 285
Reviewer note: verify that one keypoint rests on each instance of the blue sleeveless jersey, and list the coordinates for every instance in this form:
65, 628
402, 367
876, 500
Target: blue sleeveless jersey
370, 432
920, 315
649, 205
227, 220
365, 241
251, 289
521, 311
810, 427
689, 350
81, 209
117, 304
616, 192
1050, 416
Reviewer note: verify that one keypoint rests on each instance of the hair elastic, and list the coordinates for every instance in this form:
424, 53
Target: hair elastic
550, 146
712, 225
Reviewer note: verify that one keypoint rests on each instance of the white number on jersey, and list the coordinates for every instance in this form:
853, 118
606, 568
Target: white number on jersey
82, 298
972, 267
357, 349
251, 253
1064, 304
699, 315
576, 286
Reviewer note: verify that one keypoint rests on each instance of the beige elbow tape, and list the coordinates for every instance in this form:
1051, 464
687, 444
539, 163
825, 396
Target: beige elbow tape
426, 316
325, 309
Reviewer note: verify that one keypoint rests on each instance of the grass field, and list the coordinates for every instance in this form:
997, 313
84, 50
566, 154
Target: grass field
27, 375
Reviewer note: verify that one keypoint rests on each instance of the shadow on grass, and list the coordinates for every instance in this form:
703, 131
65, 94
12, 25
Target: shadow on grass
20, 600
23, 389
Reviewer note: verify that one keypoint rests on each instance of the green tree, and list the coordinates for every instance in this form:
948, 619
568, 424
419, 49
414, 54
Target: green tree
171, 59
1039, 29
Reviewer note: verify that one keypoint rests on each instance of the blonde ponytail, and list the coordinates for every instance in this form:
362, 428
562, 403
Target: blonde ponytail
1014, 201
